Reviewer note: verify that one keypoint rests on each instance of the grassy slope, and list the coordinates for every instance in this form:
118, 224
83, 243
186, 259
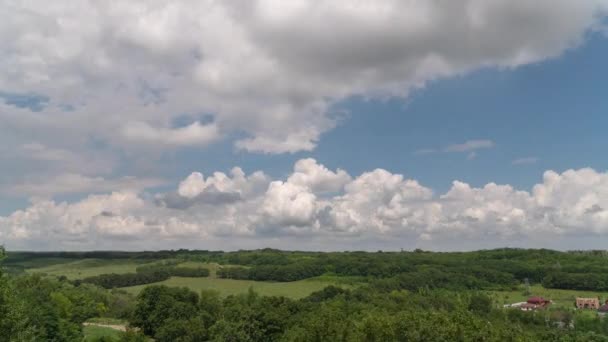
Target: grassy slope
87, 268
296, 289
226, 287
92, 267
560, 298
92, 332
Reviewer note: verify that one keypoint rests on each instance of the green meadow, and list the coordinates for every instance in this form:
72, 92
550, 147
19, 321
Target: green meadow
80, 269
226, 287
94, 333
92, 267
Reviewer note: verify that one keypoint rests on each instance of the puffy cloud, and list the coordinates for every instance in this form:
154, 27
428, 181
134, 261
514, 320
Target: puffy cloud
267, 70
379, 201
286, 204
244, 186
323, 206
575, 201
308, 173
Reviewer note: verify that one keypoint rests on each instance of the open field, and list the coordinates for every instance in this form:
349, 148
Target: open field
93, 332
560, 298
226, 287
88, 268
93, 267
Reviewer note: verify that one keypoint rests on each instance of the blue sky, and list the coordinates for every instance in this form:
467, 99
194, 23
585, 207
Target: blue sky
553, 110
309, 125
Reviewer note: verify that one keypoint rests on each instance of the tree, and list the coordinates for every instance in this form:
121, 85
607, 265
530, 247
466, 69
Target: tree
158, 304
14, 324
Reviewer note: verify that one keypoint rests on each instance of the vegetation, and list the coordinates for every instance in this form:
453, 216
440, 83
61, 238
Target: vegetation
176, 271
270, 295
113, 280
97, 333
227, 287
335, 314
144, 275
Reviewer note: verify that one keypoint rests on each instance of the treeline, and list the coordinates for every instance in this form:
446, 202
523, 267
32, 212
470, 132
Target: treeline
144, 275
486, 269
114, 280
577, 281
283, 273
175, 271
396, 276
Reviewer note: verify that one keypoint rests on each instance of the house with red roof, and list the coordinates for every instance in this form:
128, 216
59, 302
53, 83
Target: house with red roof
534, 303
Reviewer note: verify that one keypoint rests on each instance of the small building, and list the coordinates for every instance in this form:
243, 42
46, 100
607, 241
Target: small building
538, 301
587, 303
531, 304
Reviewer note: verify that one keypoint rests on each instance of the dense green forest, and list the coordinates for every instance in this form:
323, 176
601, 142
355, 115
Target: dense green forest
393, 296
500, 268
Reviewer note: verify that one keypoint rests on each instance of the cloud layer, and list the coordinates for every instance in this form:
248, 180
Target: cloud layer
94, 94
267, 71
315, 206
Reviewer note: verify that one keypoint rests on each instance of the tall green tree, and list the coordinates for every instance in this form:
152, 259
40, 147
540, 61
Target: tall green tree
14, 323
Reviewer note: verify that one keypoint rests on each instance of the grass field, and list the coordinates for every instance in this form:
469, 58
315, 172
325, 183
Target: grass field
93, 332
88, 268
226, 287
93, 267
560, 298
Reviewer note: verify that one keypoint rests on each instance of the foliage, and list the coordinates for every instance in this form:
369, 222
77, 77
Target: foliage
175, 271
113, 280
397, 296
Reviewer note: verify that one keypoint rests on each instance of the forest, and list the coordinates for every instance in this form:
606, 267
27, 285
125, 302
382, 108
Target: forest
381, 296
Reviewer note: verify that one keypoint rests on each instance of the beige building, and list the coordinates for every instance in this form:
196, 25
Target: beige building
587, 303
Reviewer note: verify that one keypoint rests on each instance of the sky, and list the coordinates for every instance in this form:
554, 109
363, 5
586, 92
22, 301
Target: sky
309, 125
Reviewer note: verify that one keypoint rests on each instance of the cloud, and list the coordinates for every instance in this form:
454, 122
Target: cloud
318, 178
218, 189
193, 134
267, 72
252, 210
525, 161
196, 184
55, 160
78, 184
470, 145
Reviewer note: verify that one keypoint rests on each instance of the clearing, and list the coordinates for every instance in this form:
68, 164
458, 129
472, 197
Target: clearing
89, 267
226, 287
560, 298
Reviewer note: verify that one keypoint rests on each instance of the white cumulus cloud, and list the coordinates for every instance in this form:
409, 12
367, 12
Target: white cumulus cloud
253, 210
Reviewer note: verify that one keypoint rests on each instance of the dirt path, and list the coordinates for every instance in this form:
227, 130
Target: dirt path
111, 326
